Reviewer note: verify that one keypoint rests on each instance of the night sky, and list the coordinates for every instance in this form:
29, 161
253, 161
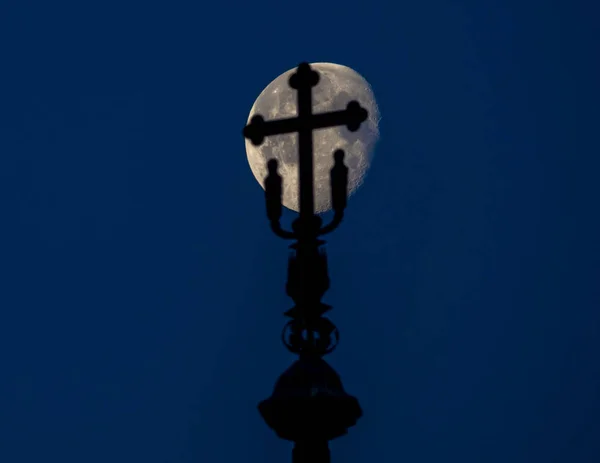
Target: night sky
142, 292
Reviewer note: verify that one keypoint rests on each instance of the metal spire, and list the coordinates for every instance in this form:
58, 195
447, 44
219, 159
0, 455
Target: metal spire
309, 405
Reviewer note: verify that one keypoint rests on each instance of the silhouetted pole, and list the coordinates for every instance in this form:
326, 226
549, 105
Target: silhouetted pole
309, 405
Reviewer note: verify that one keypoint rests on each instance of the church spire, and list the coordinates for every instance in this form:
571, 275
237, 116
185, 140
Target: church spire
309, 405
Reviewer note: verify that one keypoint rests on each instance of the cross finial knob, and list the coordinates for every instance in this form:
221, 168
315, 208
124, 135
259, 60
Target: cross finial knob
304, 77
255, 130
356, 115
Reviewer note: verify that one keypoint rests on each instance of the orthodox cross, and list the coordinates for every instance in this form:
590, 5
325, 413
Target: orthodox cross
304, 123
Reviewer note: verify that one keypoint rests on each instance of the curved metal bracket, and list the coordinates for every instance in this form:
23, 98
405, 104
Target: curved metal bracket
335, 222
287, 235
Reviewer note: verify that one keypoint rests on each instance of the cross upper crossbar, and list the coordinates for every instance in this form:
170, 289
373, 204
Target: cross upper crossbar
258, 128
304, 123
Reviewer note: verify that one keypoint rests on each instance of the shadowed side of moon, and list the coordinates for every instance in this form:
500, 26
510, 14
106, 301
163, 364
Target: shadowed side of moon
338, 85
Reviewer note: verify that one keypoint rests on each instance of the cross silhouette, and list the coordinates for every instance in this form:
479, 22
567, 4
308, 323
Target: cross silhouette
304, 123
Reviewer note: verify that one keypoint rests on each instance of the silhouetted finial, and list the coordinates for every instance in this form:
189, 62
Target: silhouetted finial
339, 182
338, 156
273, 191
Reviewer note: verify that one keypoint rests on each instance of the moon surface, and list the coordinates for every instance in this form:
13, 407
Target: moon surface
338, 85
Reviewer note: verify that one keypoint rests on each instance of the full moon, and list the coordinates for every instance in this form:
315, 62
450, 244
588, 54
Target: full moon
338, 85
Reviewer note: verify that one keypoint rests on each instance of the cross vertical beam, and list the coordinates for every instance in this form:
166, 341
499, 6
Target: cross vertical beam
305, 146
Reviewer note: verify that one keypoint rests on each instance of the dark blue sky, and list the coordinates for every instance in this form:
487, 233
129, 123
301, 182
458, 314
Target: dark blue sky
142, 292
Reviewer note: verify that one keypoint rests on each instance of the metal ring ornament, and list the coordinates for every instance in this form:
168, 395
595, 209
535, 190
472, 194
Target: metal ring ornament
297, 348
336, 340
286, 343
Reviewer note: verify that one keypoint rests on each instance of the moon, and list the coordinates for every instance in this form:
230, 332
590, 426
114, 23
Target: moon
337, 86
